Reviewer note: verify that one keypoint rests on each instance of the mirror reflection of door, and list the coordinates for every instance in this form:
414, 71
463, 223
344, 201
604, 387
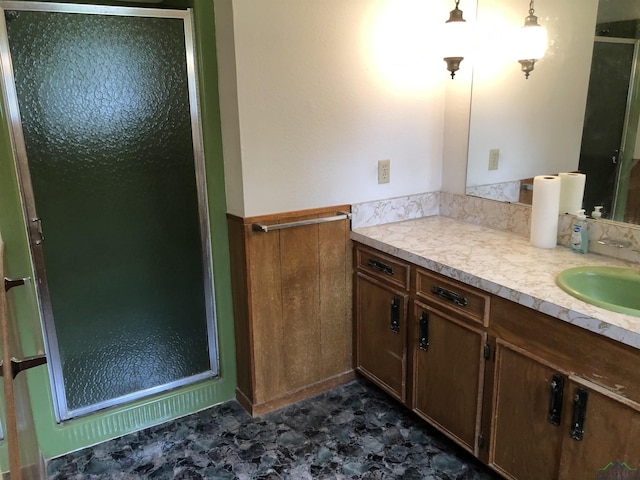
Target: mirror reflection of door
604, 125
104, 113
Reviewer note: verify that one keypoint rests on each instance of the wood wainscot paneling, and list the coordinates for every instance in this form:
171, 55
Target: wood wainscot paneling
292, 307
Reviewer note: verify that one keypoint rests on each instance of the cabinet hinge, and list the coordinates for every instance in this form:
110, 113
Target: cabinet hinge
480, 440
487, 351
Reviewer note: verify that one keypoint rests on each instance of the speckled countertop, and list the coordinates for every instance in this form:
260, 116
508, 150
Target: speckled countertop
504, 264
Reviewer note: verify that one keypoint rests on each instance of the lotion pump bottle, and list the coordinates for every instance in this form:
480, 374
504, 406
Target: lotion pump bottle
579, 235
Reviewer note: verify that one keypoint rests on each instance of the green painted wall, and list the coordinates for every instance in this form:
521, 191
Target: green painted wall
57, 439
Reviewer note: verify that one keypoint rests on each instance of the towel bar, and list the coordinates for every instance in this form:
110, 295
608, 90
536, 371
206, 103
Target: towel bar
260, 227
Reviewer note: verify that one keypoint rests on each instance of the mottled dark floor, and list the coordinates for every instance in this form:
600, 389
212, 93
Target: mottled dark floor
350, 432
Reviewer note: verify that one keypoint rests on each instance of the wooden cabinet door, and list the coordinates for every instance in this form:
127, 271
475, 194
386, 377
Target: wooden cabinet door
524, 444
381, 333
448, 372
609, 427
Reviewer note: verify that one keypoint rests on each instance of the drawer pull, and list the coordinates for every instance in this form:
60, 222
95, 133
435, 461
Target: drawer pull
579, 413
449, 295
424, 331
395, 315
380, 266
555, 400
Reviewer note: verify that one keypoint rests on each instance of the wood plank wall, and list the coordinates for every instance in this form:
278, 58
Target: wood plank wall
292, 307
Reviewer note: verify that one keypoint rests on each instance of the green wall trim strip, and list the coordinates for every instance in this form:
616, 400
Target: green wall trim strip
58, 439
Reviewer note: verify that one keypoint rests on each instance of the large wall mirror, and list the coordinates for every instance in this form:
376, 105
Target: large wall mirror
578, 111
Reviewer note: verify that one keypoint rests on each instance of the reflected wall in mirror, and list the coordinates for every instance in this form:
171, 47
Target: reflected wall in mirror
578, 111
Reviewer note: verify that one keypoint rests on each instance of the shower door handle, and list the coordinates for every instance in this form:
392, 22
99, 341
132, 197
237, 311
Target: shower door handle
18, 365
38, 224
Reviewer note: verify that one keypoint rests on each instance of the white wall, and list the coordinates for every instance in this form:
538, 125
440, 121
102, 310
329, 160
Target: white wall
227, 87
456, 130
325, 89
313, 93
536, 123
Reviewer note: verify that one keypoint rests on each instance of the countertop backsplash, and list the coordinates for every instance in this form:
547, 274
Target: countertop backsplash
399, 209
510, 217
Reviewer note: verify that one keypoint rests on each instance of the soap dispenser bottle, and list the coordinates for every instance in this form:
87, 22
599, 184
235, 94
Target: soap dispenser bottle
597, 212
579, 235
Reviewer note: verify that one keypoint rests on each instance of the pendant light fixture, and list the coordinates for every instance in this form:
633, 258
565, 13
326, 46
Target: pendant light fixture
532, 42
455, 39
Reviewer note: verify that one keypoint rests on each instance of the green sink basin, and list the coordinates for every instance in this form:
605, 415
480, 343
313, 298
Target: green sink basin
613, 288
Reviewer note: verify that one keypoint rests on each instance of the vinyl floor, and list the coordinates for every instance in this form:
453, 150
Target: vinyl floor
351, 432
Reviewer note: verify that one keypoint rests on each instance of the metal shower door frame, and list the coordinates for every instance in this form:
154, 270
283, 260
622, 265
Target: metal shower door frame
34, 234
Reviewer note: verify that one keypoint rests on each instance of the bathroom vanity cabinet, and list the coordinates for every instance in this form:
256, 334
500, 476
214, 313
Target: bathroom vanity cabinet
382, 295
449, 348
530, 395
566, 401
422, 339
552, 425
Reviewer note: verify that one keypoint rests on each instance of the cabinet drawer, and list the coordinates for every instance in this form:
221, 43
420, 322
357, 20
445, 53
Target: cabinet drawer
453, 296
382, 267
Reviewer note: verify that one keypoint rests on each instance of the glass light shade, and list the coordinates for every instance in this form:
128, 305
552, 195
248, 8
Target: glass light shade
455, 39
532, 42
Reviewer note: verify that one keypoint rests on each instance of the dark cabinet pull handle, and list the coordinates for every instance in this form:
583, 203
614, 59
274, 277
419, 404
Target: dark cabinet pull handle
384, 268
9, 283
579, 413
20, 364
449, 295
395, 315
424, 331
555, 400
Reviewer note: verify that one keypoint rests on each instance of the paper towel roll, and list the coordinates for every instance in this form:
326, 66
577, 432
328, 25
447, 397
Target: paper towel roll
571, 192
544, 211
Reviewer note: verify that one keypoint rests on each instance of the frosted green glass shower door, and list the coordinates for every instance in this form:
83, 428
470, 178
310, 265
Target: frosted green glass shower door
113, 178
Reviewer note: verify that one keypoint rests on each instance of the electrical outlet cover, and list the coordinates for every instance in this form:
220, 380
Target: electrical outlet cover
384, 171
